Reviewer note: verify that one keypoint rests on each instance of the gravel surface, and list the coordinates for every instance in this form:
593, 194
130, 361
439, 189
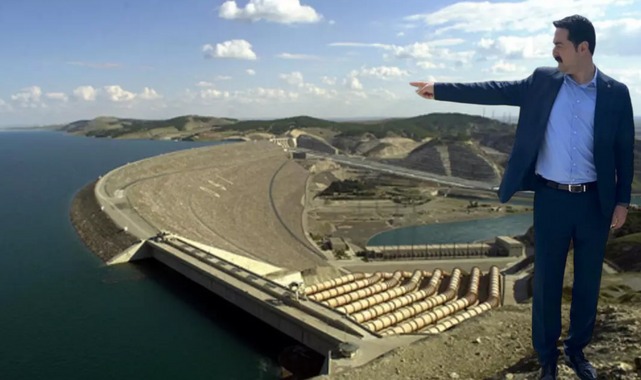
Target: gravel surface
245, 198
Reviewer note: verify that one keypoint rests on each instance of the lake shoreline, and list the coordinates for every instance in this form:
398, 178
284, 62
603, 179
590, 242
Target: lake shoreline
96, 230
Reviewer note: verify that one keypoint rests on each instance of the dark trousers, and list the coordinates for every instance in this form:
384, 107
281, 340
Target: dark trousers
561, 217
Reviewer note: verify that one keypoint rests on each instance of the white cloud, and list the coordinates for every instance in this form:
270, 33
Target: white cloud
382, 72
619, 36
513, 47
430, 65
418, 50
211, 93
297, 56
400, 34
222, 77
447, 42
117, 94
204, 84
457, 57
273, 93
328, 80
503, 67
294, 78
258, 95
60, 96
149, 94
86, 93
353, 83
631, 77
415, 50
250, 72
360, 44
314, 90
28, 97
627, 76
279, 11
529, 15
237, 49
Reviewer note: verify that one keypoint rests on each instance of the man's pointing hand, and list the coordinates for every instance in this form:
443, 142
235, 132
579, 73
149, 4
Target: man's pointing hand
424, 89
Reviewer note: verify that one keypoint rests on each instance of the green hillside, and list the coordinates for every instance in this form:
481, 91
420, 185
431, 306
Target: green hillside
137, 128
466, 137
279, 126
445, 125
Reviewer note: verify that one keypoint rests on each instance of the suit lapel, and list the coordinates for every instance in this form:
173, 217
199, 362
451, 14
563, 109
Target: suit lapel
548, 93
552, 91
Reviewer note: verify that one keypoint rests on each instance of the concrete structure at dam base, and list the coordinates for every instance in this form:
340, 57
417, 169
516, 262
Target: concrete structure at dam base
281, 299
359, 313
269, 294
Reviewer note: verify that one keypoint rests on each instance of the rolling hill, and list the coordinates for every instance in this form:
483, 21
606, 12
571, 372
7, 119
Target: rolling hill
466, 146
177, 127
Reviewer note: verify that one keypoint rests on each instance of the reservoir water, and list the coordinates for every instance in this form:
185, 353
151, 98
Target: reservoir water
65, 315
461, 232
455, 232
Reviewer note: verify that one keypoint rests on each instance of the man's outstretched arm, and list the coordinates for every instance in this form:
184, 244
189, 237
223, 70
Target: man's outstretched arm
489, 93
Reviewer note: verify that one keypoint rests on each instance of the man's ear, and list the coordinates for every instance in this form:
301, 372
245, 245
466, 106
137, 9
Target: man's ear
584, 47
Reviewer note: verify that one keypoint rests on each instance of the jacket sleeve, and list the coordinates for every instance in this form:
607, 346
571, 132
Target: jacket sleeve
624, 151
489, 93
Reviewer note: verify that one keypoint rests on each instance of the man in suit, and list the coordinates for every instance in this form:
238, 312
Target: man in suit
574, 149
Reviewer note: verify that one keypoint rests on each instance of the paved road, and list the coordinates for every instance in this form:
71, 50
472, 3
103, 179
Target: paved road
120, 211
484, 263
361, 162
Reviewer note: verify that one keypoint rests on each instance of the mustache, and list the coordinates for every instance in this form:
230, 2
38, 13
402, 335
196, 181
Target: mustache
558, 59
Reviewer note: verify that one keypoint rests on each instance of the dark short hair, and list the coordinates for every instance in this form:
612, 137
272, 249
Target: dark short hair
579, 29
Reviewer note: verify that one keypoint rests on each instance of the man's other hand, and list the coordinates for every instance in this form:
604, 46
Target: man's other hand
618, 217
424, 89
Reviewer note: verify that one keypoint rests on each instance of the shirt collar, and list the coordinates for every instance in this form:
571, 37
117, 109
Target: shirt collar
590, 84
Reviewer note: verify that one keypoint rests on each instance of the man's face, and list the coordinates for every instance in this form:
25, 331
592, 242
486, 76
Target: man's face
564, 51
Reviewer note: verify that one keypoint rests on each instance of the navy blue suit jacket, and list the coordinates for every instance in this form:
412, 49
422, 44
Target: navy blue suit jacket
535, 95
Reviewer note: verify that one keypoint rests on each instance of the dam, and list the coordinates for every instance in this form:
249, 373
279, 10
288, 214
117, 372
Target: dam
343, 328
229, 219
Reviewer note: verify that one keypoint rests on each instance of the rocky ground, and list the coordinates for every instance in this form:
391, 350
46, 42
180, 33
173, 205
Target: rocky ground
357, 217
497, 346
95, 228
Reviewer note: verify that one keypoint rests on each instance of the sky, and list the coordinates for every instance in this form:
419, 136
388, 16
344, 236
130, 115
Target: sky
68, 60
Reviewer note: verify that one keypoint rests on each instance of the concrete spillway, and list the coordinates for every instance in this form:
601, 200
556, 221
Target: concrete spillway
343, 342
350, 320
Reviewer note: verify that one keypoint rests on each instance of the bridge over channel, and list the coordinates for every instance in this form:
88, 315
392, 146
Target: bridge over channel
264, 291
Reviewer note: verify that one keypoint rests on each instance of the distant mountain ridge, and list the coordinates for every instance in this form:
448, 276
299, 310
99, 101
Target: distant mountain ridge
137, 128
197, 127
460, 145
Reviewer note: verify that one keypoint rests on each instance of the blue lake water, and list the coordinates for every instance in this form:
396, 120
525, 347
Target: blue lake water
65, 315
456, 232
461, 232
